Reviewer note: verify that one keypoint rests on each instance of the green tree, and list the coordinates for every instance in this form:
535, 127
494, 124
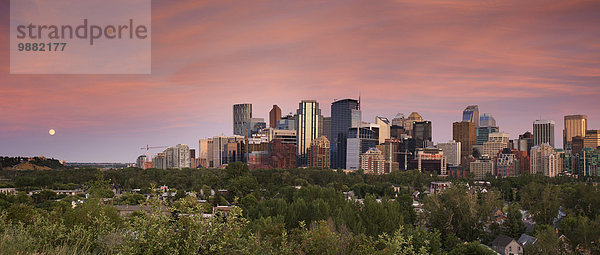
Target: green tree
513, 226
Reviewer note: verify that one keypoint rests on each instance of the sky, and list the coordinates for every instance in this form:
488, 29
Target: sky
518, 60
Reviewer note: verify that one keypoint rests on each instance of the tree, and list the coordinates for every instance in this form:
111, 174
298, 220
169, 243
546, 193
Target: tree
542, 201
513, 226
472, 248
547, 242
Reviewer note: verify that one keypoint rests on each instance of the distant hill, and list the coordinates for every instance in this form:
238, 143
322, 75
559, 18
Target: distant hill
27, 166
29, 163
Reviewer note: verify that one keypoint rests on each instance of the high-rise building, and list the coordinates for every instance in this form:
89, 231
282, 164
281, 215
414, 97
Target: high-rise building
487, 125
499, 137
452, 151
575, 125
309, 122
392, 154
543, 132
487, 120
141, 161
178, 157
471, 114
544, 159
511, 163
319, 153
525, 142
588, 162
286, 136
430, 160
410, 121
241, 113
399, 120
159, 161
205, 152
274, 116
464, 132
282, 155
592, 139
253, 126
372, 161
482, 167
327, 128
360, 140
422, 133
223, 147
492, 148
577, 143
384, 128
343, 114
287, 122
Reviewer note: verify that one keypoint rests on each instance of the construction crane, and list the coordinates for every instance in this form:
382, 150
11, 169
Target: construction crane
148, 148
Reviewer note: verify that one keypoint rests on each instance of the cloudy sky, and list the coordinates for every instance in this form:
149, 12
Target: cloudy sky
518, 60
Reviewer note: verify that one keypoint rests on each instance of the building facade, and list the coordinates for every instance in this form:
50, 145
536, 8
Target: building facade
241, 113
543, 132
545, 160
309, 125
452, 151
274, 116
372, 161
422, 133
592, 139
319, 153
482, 167
575, 125
471, 114
464, 132
342, 114
430, 160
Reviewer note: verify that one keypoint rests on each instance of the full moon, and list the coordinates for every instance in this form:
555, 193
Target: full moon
51, 132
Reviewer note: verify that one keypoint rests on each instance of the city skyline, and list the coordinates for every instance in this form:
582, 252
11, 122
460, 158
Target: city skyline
520, 61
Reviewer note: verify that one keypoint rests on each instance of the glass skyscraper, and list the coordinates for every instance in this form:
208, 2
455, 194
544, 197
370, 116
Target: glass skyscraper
342, 114
309, 125
471, 114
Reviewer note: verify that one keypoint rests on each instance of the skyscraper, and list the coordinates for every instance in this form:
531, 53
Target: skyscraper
592, 139
384, 128
318, 153
309, 122
543, 132
274, 116
471, 114
327, 129
241, 113
342, 112
360, 140
544, 159
410, 121
464, 132
452, 150
422, 133
575, 125
487, 125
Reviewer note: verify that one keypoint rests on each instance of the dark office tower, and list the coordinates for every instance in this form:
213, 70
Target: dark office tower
422, 133
471, 114
309, 122
327, 128
464, 132
543, 132
274, 116
341, 121
241, 113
